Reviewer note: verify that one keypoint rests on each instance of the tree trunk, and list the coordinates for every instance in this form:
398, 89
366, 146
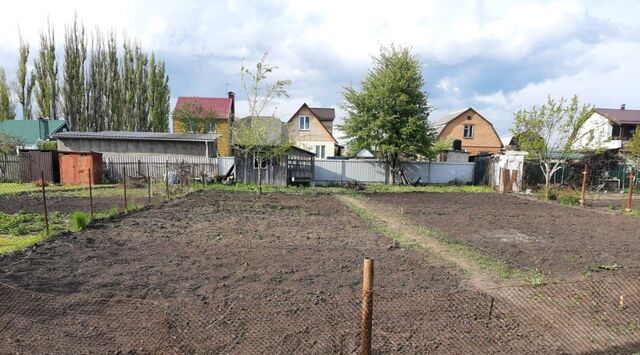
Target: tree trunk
259, 177
547, 178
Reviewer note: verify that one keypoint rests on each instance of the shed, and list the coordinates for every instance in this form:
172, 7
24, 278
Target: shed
76, 166
295, 167
37, 163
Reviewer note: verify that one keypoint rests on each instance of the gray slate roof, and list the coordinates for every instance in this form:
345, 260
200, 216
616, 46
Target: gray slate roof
139, 136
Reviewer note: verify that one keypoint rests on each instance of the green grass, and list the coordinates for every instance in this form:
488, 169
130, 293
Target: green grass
11, 188
79, 221
10, 244
429, 188
21, 224
380, 227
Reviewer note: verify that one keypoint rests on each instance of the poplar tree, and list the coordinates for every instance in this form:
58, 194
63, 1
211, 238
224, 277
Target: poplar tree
46, 68
7, 107
159, 96
128, 88
113, 100
141, 107
25, 81
73, 89
96, 87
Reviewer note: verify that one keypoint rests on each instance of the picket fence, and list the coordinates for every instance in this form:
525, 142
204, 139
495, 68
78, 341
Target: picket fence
157, 166
9, 168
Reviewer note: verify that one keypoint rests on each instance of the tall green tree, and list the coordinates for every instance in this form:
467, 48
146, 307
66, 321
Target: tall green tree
25, 81
128, 83
46, 68
158, 96
7, 107
73, 88
389, 113
96, 87
141, 106
549, 133
113, 100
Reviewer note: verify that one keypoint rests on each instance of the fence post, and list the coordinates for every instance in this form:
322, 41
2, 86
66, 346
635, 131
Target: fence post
124, 177
166, 178
44, 202
584, 184
148, 185
90, 194
630, 196
367, 307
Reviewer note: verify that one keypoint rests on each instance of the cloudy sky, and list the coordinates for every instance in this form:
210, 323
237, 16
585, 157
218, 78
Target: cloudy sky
496, 56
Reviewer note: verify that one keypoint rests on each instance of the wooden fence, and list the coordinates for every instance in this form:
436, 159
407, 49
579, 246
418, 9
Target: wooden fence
9, 168
159, 167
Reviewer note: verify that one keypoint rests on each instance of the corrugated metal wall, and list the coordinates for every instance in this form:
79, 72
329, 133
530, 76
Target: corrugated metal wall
374, 171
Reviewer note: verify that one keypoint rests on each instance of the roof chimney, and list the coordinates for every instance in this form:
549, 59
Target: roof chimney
623, 106
232, 96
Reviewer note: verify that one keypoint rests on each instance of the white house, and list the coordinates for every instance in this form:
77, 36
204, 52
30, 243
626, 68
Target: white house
607, 128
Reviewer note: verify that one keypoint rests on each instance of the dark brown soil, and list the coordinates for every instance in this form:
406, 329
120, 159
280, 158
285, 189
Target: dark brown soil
237, 273
561, 240
32, 203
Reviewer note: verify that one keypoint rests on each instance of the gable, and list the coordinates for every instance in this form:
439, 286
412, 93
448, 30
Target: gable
483, 129
317, 129
220, 106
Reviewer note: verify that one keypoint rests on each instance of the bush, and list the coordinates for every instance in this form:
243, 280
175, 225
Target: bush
568, 197
79, 221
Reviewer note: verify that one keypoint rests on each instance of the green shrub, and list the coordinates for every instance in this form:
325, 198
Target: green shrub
568, 197
79, 221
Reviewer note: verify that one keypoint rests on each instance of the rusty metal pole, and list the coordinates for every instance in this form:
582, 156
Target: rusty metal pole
148, 185
126, 207
367, 307
630, 196
44, 202
584, 184
91, 193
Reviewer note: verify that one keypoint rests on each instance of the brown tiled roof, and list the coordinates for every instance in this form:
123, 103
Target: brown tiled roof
324, 114
620, 116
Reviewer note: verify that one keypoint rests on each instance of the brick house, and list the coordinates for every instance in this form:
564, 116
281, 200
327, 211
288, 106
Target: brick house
474, 131
311, 128
224, 110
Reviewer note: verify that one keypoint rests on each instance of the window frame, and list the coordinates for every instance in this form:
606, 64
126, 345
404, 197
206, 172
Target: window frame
471, 131
304, 123
321, 151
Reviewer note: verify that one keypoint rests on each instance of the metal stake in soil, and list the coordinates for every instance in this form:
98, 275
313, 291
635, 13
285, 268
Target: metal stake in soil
367, 307
44, 202
148, 186
630, 197
90, 194
584, 184
166, 178
125, 188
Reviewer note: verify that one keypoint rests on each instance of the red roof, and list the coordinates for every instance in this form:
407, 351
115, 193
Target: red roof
620, 116
221, 106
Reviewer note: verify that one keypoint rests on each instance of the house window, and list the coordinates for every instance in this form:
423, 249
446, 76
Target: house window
616, 132
320, 152
468, 131
304, 123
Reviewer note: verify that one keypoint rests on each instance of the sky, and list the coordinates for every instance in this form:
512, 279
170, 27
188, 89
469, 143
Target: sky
495, 56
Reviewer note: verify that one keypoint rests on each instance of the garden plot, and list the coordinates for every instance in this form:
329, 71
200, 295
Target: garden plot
237, 273
563, 241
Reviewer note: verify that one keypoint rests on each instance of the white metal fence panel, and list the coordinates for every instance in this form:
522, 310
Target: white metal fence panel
224, 164
442, 173
366, 171
328, 171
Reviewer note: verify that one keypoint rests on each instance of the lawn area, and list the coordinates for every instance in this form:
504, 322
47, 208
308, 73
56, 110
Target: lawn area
14, 188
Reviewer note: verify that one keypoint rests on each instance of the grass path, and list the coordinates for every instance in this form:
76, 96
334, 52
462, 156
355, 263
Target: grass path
548, 310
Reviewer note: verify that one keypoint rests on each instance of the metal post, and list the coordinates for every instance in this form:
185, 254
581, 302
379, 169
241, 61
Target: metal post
90, 193
584, 184
630, 197
166, 178
148, 185
44, 202
367, 307
126, 207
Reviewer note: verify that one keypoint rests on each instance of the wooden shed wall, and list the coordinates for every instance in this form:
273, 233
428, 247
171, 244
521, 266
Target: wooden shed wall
274, 174
34, 163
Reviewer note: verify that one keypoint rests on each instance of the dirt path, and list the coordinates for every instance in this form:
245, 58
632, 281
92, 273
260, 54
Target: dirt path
563, 326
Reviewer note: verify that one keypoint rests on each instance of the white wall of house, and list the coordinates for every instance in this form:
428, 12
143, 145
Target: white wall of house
596, 133
329, 147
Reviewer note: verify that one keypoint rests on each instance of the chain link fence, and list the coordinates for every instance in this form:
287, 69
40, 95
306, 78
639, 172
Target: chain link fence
600, 315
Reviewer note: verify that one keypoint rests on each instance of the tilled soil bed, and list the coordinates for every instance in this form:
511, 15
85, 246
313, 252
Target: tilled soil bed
222, 272
561, 240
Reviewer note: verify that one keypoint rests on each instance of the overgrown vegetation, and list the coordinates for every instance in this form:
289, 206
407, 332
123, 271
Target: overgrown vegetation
382, 229
79, 221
